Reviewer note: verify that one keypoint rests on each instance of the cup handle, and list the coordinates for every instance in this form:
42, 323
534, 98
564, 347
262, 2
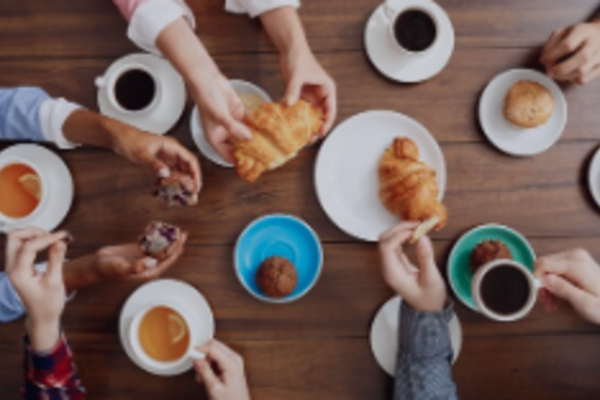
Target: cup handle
388, 10
196, 354
100, 82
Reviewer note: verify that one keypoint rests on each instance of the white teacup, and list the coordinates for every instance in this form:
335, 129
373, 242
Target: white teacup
194, 331
394, 9
533, 286
5, 220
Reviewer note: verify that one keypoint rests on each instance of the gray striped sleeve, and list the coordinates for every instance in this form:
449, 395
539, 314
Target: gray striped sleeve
424, 369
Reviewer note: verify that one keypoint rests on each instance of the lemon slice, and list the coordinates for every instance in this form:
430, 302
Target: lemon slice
177, 328
32, 185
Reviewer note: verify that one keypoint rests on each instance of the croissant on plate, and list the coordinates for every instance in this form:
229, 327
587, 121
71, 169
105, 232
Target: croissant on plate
279, 132
408, 187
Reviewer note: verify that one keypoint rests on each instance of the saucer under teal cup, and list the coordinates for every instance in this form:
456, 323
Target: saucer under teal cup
283, 236
459, 271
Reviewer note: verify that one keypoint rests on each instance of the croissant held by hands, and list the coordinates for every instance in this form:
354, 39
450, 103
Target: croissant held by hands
279, 132
408, 187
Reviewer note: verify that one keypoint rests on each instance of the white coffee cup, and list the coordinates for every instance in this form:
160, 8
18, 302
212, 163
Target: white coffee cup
194, 331
534, 286
393, 9
5, 220
109, 80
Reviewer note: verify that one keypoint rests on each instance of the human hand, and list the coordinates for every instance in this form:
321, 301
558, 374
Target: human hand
422, 288
573, 54
307, 80
222, 372
222, 112
575, 277
43, 295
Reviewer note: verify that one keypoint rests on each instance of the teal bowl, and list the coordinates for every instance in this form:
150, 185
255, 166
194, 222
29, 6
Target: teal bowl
459, 271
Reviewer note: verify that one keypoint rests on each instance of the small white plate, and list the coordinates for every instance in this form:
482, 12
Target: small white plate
171, 102
242, 87
394, 64
594, 177
173, 290
346, 173
508, 137
384, 335
60, 180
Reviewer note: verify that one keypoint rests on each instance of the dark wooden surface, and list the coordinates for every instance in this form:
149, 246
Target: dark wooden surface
318, 348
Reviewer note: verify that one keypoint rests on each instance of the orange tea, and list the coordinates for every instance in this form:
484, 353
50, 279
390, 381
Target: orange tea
164, 334
20, 190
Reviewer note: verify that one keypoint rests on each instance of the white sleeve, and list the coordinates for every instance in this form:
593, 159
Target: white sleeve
53, 114
256, 7
151, 17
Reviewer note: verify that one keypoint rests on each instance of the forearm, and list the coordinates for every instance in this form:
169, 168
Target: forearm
90, 128
285, 29
424, 369
80, 273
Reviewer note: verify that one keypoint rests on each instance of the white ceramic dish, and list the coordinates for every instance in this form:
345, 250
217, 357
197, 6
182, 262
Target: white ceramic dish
510, 138
168, 290
240, 86
402, 67
57, 177
346, 173
384, 335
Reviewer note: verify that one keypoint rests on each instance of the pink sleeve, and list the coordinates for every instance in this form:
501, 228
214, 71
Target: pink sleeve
127, 7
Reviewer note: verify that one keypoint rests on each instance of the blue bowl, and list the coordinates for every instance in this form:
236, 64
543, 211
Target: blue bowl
283, 236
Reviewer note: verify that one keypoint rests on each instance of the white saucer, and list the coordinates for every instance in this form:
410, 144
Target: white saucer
167, 289
594, 177
346, 173
242, 87
384, 335
171, 102
60, 180
395, 65
508, 137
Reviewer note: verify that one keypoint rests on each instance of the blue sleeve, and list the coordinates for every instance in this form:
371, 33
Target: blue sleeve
424, 369
20, 113
11, 307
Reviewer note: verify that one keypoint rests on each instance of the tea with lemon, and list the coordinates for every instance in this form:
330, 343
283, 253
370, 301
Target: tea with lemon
164, 334
20, 190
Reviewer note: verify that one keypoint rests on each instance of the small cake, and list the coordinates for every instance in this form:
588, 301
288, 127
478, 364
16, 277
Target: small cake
277, 277
488, 250
176, 190
528, 104
158, 239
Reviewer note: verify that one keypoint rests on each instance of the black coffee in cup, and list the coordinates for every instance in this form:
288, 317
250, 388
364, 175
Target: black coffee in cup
135, 89
505, 290
415, 30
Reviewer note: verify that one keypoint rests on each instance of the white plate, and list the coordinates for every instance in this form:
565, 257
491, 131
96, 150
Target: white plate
394, 64
242, 87
166, 289
170, 105
346, 173
384, 335
510, 138
60, 180
594, 177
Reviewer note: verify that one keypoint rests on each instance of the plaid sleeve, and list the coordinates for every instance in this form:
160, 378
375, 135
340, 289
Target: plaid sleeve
424, 368
51, 375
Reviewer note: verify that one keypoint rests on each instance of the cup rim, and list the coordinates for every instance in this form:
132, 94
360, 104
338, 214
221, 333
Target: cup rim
416, 7
113, 75
137, 347
482, 308
11, 160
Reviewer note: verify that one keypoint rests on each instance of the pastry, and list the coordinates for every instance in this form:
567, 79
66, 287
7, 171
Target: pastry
408, 188
158, 239
279, 132
486, 251
277, 277
528, 104
176, 190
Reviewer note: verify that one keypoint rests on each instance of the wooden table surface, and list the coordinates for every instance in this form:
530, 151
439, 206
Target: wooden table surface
318, 348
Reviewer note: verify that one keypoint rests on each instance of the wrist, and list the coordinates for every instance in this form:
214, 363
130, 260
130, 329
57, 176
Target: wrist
80, 273
43, 334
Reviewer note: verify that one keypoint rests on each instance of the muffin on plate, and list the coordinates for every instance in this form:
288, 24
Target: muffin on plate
487, 251
528, 104
277, 277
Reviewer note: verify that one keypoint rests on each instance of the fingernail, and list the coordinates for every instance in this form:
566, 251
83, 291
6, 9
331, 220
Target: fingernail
150, 262
164, 172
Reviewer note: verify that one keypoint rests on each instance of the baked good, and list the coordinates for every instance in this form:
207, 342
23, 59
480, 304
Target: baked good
176, 190
528, 104
279, 132
158, 239
486, 251
277, 277
408, 188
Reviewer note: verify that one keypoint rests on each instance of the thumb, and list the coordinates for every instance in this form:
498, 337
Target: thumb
565, 289
206, 374
292, 94
56, 259
425, 258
